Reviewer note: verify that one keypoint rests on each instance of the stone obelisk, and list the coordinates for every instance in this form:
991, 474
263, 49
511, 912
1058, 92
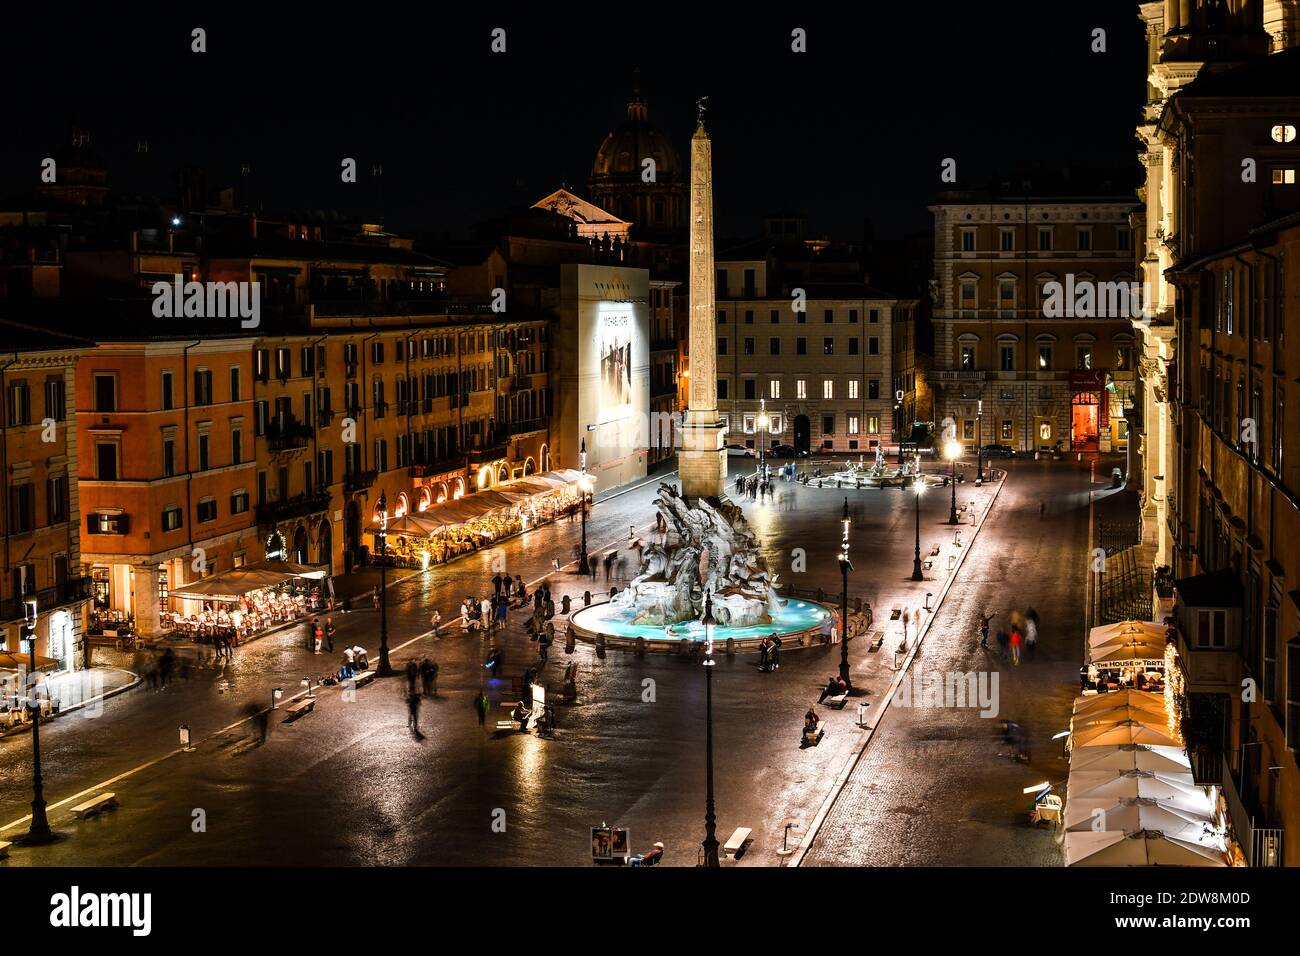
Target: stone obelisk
701, 460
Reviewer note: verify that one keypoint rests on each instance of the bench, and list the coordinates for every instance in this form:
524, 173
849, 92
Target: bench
877, 638
838, 700
811, 738
298, 708
4, 849
507, 725
363, 678
736, 842
105, 801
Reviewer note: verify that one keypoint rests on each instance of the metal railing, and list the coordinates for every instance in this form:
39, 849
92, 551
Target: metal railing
47, 599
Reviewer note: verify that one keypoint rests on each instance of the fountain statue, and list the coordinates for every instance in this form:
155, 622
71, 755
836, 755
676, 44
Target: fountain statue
708, 548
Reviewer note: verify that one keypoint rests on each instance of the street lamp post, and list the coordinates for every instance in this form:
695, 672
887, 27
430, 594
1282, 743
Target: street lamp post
952, 450
919, 487
762, 423
710, 843
845, 567
584, 565
38, 831
385, 668
979, 442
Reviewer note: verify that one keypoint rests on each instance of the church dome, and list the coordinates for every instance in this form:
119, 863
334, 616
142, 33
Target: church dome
621, 154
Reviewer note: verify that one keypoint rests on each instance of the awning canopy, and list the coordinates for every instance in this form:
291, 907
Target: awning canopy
230, 586
1133, 784
1127, 642
16, 661
288, 567
1119, 706
1173, 760
1123, 732
1143, 848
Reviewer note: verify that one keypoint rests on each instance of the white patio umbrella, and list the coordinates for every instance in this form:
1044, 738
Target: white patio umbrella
1171, 760
1123, 732
1124, 784
1147, 712
1130, 816
1140, 699
1143, 848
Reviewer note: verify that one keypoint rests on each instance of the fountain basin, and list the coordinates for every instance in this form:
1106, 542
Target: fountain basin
799, 623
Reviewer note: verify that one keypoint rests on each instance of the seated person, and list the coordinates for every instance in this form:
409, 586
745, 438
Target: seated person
810, 722
834, 687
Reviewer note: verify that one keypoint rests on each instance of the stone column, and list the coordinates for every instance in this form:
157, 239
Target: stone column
144, 582
702, 462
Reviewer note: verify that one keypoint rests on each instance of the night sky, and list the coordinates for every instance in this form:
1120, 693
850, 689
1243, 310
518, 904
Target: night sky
855, 128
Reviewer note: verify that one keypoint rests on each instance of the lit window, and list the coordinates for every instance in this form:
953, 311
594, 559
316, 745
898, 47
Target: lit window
828, 388
801, 388
853, 388
1283, 134
853, 424
1284, 177
774, 388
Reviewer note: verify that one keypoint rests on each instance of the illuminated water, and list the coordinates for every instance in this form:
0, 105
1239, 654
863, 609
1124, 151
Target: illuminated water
795, 616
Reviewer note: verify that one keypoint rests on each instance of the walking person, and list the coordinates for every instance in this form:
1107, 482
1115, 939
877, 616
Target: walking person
985, 620
412, 675
1031, 631
496, 584
1016, 640
413, 715
428, 674
329, 634
481, 705
1042, 509
436, 623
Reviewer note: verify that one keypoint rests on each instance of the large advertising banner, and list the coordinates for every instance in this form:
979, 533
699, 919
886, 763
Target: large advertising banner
614, 327
603, 382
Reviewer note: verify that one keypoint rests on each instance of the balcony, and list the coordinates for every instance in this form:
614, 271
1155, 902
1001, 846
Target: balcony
525, 425
357, 480
299, 506
288, 434
49, 599
958, 375
1261, 846
432, 468
491, 453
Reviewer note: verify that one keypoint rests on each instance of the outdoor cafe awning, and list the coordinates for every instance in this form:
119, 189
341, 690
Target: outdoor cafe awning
230, 586
1125, 705
1127, 642
1179, 787
1129, 757
15, 661
1143, 848
1123, 732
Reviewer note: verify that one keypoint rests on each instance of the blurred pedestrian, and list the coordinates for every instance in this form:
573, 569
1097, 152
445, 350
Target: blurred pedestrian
412, 675
481, 704
985, 620
426, 677
413, 715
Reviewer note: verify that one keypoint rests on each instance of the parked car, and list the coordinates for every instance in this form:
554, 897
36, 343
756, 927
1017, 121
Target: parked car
999, 451
739, 451
785, 451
